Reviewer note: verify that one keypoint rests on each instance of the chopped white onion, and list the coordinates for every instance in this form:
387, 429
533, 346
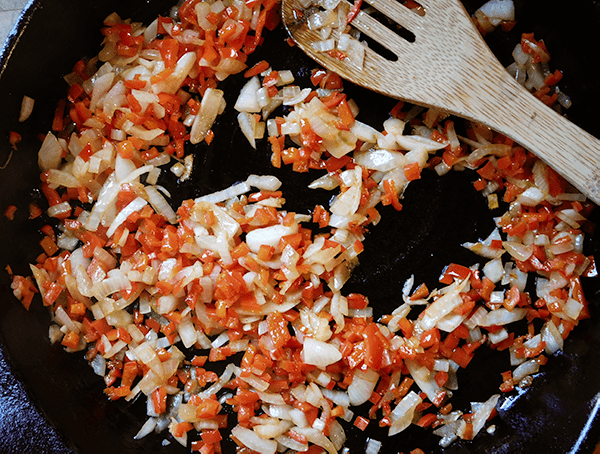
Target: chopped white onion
319, 353
136, 205
247, 100
362, 386
26, 108
402, 415
253, 441
210, 107
50, 154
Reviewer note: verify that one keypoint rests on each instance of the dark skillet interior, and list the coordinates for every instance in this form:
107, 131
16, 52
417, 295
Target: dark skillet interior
555, 415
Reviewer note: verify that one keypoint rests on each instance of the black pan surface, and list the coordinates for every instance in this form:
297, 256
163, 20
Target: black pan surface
51, 401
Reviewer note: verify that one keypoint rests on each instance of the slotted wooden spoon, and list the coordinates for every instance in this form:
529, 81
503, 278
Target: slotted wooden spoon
449, 66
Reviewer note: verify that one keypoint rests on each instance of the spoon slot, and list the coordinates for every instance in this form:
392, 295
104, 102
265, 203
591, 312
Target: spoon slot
401, 14
382, 36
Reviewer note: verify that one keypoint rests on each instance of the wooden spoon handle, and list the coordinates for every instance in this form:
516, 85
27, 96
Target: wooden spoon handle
508, 108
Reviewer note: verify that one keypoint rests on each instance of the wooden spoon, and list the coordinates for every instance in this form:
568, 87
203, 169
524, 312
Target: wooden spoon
449, 66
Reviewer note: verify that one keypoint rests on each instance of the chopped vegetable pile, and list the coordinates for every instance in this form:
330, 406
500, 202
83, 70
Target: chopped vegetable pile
154, 295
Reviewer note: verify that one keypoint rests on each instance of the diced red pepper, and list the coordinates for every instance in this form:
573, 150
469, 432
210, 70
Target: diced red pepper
454, 271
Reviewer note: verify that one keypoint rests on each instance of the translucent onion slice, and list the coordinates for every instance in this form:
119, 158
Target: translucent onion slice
26, 108
253, 441
210, 107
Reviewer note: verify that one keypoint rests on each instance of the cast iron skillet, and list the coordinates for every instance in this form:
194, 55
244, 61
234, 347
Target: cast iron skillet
52, 401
